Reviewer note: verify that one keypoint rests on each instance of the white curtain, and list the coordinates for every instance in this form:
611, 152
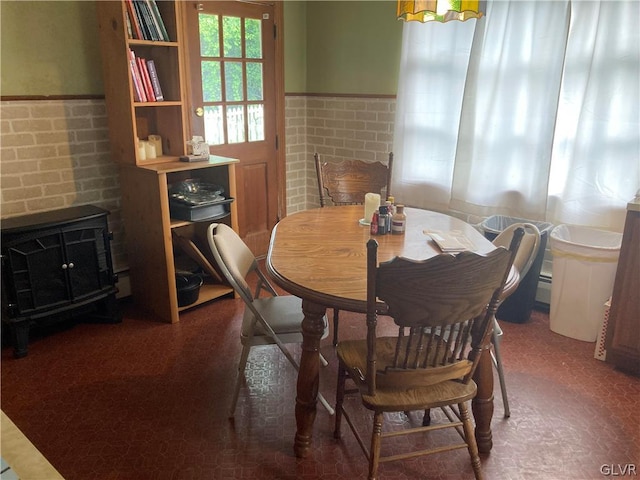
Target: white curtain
531, 112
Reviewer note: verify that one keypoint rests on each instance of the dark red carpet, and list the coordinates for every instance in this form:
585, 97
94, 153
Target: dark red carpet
147, 400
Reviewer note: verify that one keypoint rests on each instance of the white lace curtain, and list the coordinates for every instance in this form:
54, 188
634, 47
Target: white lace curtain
531, 112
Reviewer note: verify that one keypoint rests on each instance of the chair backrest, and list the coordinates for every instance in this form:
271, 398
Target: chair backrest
443, 307
528, 246
235, 261
348, 181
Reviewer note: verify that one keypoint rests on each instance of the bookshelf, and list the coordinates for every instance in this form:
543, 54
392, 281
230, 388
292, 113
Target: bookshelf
150, 231
130, 120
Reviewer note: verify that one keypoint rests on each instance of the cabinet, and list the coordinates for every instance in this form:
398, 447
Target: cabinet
623, 329
53, 263
151, 231
155, 241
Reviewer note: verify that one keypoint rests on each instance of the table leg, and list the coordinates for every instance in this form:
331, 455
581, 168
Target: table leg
308, 376
482, 404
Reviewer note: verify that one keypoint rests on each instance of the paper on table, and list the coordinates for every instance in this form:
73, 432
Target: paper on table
371, 204
451, 241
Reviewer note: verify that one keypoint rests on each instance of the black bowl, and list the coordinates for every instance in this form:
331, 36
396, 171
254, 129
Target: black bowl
188, 287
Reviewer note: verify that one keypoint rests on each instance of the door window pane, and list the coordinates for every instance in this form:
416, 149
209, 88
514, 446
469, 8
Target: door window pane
253, 37
254, 81
256, 122
232, 73
209, 35
234, 85
211, 81
235, 123
213, 125
232, 37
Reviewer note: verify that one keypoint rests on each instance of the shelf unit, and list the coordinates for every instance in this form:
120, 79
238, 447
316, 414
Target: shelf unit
130, 120
150, 231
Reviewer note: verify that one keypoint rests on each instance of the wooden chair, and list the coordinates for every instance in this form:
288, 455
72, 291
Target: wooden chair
524, 258
346, 183
268, 319
444, 309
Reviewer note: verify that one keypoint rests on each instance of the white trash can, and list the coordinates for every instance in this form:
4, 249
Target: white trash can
584, 268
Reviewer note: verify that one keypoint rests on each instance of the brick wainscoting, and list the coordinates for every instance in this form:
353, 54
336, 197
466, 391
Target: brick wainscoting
338, 128
55, 153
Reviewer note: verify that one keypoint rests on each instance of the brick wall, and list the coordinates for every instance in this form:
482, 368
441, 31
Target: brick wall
299, 165
337, 128
55, 154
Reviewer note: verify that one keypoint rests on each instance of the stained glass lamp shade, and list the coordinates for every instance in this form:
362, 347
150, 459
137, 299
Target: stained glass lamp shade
440, 10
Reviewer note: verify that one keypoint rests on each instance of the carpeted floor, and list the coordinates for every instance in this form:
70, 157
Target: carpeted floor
148, 400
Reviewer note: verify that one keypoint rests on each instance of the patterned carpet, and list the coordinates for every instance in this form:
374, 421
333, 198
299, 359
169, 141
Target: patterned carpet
148, 400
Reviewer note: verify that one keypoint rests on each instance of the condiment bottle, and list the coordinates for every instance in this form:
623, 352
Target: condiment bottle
374, 223
398, 221
383, 220
391, 204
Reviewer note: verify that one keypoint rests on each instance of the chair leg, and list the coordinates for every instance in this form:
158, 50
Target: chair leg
470, 439
325, 404
426, 420
241, 367
376, 439
323, 360
342, 377
497, 362
336, 314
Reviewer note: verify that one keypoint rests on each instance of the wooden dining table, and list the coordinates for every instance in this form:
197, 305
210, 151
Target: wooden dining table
320, 256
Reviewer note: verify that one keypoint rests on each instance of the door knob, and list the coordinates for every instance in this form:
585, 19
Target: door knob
200, 112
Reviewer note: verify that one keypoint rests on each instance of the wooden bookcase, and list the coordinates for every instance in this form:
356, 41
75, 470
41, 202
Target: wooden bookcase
155, 241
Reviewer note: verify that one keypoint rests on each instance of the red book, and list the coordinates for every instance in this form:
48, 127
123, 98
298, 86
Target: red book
138, 89
146, 81
134, 21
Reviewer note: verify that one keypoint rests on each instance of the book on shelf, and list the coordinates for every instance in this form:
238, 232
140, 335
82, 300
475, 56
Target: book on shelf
157, 20
147, 20
138, 90
452, 241
146, 81
150, 23
164, 35
133, 19
144, 28
129, 26
155, 82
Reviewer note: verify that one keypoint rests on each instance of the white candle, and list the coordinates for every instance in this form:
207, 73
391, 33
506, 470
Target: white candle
156, 140
141, 151
149, 150
371, 204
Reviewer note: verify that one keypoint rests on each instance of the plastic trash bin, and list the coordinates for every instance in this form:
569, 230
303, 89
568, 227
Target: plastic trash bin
584, 268
518, 306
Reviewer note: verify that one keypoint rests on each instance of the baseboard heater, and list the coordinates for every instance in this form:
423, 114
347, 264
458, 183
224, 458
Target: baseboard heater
543, 293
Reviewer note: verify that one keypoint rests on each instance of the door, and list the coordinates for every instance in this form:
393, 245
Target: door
86, 257
37, 270
236, 103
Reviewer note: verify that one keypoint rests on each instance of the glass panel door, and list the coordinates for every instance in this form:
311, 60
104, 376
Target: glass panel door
232, 78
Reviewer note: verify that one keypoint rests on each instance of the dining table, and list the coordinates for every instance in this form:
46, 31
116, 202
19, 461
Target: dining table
319, 255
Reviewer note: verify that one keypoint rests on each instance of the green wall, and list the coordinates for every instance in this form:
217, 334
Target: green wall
353, 47
295, 47
49, 48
